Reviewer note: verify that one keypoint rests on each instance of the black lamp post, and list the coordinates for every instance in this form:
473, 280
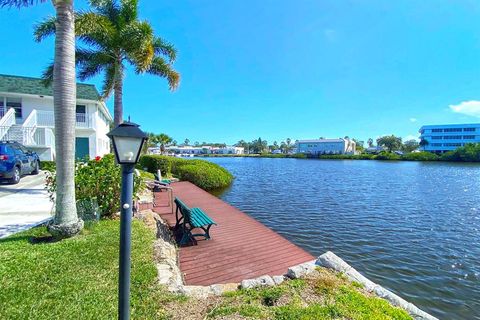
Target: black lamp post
127, 139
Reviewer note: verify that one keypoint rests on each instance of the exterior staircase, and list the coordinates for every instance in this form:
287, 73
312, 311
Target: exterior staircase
15, 133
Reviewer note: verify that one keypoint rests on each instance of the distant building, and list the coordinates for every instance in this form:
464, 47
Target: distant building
228, 150
326, 146
374, 149
201, 150
448, 137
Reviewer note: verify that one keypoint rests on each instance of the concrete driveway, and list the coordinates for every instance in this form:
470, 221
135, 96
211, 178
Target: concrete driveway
23, 205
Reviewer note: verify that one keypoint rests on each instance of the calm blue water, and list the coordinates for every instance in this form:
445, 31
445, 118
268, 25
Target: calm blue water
413, 227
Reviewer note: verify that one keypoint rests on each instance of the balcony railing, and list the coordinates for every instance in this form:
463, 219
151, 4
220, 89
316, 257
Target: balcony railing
47, 119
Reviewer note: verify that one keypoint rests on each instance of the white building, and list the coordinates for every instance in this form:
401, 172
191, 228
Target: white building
201, 150
26, 116
325, 146
443, 138
229, 150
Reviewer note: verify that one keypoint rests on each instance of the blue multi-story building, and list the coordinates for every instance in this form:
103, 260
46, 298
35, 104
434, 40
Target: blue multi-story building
447, 137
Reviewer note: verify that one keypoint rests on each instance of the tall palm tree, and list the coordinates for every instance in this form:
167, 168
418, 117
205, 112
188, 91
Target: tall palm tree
66, 222
115, 36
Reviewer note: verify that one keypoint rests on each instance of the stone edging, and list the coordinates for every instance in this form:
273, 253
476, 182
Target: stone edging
169, 274
332, 261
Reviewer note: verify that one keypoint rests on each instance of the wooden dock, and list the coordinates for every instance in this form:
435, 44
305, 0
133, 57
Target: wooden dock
240, 248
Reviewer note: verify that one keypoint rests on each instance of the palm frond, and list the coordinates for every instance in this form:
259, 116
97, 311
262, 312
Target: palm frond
160, 68
94, 29
47, 75
44, 29
107, 8
129, 10
137, 42
164, 48
19, 3
90, 63
111, 75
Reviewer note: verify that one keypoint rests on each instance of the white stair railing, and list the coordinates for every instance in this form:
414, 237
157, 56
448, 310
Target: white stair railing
29, 127
6, 122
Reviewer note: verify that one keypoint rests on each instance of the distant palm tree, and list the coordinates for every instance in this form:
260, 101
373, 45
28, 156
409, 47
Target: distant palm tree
116, 36
370, 142
164, 139
66, 222
187, 142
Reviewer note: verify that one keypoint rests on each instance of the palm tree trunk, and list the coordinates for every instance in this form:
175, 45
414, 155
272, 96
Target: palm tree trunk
66, 222
118, 101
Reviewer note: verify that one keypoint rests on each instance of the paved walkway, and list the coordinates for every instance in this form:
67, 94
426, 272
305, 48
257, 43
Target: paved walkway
23, 205
240, 248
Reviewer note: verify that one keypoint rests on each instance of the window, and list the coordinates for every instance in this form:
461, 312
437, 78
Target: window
437, 130
469, 129
437, 137
15, 103
453, 130
452, 144
80, 113
452, 137
436, 144
469, 137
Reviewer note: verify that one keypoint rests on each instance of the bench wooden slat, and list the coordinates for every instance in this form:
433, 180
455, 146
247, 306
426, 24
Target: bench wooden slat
195, 218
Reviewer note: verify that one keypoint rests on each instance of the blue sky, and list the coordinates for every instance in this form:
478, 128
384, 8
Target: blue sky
299, 69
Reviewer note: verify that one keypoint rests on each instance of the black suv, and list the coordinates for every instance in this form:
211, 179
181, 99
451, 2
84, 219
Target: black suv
16, 160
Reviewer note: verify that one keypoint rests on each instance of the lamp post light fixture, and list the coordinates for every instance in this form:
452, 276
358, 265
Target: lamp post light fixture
127, 139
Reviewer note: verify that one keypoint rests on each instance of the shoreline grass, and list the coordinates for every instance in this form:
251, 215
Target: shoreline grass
77, 278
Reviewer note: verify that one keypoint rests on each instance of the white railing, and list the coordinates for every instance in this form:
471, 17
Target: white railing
6, 122
31, 120
47, 119
50, 138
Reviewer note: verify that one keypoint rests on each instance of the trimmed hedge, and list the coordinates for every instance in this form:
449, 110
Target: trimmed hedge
204, 174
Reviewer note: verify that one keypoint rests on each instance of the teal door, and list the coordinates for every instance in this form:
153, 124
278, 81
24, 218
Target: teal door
81, 148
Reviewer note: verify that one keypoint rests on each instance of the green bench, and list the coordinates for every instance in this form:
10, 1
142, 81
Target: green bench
191, 218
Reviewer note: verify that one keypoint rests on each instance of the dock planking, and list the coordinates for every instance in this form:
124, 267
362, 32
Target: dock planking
240, 247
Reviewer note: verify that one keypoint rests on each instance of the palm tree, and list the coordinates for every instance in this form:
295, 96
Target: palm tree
163, 139
115, 36
66, 222
370, 142
187, 141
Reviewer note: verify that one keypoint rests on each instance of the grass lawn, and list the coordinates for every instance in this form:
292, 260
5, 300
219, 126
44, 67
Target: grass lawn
323, 295
77, 278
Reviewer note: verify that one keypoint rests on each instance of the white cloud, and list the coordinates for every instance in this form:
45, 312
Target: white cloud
413, 119
469, 108
411, 137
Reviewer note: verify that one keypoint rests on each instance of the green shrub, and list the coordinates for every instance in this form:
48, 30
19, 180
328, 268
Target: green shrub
98, 179
152, 163
47, 165
204, 174
420, 156
387, 156
468, 153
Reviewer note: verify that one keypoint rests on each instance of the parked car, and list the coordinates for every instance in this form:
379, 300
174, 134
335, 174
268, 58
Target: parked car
16, 161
